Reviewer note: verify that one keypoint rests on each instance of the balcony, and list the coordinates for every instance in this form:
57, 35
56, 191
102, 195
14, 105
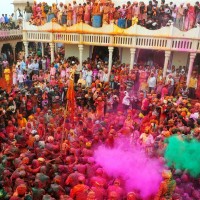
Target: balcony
167, 38
10, 34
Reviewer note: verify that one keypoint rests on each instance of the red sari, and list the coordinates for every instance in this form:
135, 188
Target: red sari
87, 14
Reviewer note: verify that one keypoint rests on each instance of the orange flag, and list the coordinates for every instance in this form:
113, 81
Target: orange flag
71, 99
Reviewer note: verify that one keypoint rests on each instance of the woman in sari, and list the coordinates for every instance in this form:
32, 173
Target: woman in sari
7, 73
190, 17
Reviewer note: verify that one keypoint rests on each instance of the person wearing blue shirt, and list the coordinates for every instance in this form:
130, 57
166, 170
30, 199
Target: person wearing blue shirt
35, 66
28, 82
56, 65
6, 19
22, 66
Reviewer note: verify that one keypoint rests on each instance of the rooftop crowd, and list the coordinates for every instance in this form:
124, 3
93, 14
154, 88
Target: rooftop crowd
47, 153
153, 15
8, 22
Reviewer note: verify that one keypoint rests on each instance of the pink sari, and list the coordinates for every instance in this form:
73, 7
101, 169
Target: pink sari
87, 14
190, 18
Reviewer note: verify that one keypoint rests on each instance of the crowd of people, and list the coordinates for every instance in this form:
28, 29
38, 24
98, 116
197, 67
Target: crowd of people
153, 15
57, 114
8, 22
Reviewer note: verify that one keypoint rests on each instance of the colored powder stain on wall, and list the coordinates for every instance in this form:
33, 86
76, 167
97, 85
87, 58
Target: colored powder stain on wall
140, 173
183, 155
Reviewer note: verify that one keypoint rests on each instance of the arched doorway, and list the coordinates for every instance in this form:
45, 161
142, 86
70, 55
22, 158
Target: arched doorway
32, 46
103, 53
19, 47
151, 57
7, 53
18, 50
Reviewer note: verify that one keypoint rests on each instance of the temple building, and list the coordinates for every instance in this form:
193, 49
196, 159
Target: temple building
165, 47
133, 44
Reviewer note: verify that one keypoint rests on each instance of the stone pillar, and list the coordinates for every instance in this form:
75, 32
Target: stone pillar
1, 45
167, 56
65, 51
90, 51
14, 53
42, 48
137, 55
192, 57
80, 47
120, 54
132, 52
110, 50
36, 46
55, 47
52, 47
26, 49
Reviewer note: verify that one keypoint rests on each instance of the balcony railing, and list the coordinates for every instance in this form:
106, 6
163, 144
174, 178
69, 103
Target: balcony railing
166, 38
10, 33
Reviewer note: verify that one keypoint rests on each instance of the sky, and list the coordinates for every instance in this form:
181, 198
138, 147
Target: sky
7, 7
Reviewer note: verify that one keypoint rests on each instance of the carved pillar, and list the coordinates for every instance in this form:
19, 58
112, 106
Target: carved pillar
42, 44
167, 56
80, 47
90, 51
110, 50
52, 47
13, 45
26, 49
132, 52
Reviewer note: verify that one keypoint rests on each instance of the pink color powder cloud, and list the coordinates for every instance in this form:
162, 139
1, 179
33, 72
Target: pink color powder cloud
139, 172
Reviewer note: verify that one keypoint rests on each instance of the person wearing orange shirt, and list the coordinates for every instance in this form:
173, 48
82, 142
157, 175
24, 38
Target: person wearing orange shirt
54, 9
99, 107
116, 15
106, 11
44, 15
79, 13
21, 121
69, 15
80, 191
43, 21
112, 11
167, 186
96, 8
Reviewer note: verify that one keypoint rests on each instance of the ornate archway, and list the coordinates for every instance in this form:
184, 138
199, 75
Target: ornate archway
7, 52
150, 57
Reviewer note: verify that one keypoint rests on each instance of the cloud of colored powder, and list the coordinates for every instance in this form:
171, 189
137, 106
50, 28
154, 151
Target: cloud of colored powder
183, 155
140, 173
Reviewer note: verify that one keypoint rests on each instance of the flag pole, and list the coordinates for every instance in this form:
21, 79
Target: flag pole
70, 99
